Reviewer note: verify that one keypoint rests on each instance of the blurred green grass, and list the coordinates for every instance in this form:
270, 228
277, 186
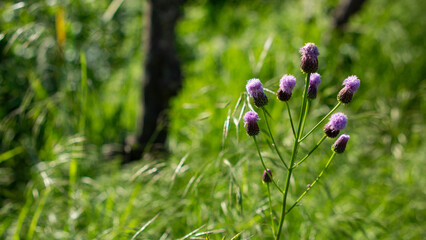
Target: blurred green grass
374, 191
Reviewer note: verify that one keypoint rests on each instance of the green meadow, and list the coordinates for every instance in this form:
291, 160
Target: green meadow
70, 89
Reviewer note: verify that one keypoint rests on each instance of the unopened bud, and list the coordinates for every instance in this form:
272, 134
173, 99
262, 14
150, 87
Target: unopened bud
267, 176
340, 145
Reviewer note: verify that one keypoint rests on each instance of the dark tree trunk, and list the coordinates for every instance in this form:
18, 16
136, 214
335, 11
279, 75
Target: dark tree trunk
162, 77
345, 10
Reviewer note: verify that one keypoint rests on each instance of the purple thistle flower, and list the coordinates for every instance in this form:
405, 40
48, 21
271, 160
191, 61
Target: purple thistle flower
309, 63
251, 116
267, 176
255, 90
340, 145
309, 49
287, 83
251, 119
254, 87
315, 80
352, 83
351, 86
337, 122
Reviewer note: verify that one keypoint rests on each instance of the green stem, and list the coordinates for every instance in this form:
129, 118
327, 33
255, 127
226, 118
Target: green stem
293, 156
313, 149
263, 164
312, 184
270, 208
272, 138
306, 114
322, 120
291, 119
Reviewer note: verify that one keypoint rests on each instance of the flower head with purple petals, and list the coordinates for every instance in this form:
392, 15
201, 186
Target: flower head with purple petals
352, 83
340, 145
251, 119
309, 49
254, 87
287, 83
251, 116
315, 80
309, 63
338, 121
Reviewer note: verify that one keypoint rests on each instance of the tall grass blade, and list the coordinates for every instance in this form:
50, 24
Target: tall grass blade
266, 46
192, 233
236, 236
177, 170
37, 213
226, 128
144, 226
10, 154
23, 214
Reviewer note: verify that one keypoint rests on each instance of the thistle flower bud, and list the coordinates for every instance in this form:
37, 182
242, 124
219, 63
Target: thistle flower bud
309, 63
314, 81
337, 122
351, 86
287, 83
267, 176
251, 119
255, 90
340, 145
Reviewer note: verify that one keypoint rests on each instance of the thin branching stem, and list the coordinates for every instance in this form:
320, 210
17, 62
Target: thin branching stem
312, 184
320, 122
293, 156
263, 164
272, 138
291, 119
308, 104
310, 152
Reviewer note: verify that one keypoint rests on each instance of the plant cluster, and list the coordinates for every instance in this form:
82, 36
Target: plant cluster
337, 122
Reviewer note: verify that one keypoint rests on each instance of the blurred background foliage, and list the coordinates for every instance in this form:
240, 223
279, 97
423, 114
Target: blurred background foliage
70, 74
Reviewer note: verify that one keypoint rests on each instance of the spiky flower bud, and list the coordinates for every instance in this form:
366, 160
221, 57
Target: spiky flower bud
287, 83
309, 63
340, 145
336, 123
351, 86
314, 81
255, 90
267, 176
251, 119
